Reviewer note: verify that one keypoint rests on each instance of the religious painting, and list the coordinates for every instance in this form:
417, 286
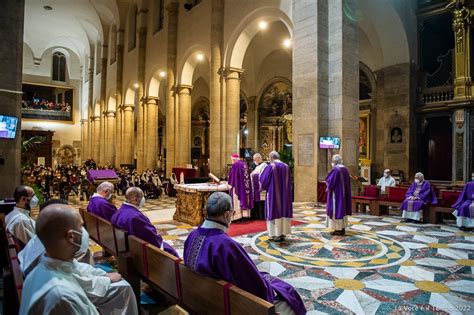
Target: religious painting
396, 135
47, 102
364, 136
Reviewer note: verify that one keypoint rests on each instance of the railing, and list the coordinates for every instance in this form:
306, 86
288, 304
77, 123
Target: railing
439, 94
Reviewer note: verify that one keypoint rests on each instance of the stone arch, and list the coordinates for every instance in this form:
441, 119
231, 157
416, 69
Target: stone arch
130, 95
369, 79
247, 29
96, 108
155, 82
113, 101
268, 84
189, 64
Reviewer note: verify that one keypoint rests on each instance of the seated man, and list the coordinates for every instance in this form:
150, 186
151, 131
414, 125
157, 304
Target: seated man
18, 222
211, 252
129, 218
419, 195
464, 207
386, 181
100, 204
60, 284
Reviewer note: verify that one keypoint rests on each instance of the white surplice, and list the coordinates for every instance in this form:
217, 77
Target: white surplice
20, 224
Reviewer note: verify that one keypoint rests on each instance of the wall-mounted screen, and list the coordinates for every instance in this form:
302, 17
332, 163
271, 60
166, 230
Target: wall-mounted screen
8, 126
329, 143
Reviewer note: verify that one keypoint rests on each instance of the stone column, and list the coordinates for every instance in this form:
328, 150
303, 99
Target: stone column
111, 138
216, 150
11, 52
119, 120
85, 139
96, 138
184, 126
118, 136
103, 104
140, 135
252, 124
151, 132
172, 9
232, 120
127, 147
141, 119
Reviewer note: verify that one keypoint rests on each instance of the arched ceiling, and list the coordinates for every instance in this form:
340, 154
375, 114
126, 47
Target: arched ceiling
74, 24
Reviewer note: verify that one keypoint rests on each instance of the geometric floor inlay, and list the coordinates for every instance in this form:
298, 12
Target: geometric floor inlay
318, 248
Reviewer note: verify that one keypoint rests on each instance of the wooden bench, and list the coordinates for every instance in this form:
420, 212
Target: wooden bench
394, 198
370, 197
194, 292
445, 202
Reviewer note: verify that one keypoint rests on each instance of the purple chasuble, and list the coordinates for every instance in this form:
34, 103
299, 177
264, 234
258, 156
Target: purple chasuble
137, 224
255, 186
101, 207
465, 203
239, 179
424, 192
339, 193
276, 180
211, 252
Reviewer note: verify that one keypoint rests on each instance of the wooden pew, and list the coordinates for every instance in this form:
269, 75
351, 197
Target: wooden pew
447, 199
394, 198
194, 292
370, 197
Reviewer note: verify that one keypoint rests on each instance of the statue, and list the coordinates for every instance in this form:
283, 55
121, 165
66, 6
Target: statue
461, 17
288, 120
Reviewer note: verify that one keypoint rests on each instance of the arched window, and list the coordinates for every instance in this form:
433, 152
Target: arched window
132, 28
113, 45
159, 15
59, 67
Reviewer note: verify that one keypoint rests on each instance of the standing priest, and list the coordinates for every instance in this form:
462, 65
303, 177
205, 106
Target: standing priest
241, 190
339, 204
276, 181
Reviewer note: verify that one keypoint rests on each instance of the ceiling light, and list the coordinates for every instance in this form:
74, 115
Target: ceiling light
246, 131
162, 74
287, 43
136, 85
47, 8
262, 25
200, 57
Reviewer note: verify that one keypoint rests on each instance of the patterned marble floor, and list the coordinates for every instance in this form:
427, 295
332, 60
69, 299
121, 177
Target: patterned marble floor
382, 266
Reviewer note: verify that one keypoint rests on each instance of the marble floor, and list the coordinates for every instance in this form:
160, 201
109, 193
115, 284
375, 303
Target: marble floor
381, 266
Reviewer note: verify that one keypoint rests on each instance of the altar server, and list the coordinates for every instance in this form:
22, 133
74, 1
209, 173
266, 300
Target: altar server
241, 188
276, 181
386, 181
419, 195
464, 207
130, 218
18, 222
258, 202
100, 203
60, 284
339, 199
211, 252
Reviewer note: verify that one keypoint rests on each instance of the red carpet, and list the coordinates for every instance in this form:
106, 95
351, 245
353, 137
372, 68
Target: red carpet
250, 227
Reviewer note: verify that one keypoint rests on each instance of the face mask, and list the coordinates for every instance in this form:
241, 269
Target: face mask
385, 175
34, 202
417, 181
84, 245
109, 196
332, 164
142, 202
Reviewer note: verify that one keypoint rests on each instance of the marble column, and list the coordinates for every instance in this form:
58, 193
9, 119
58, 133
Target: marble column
140, 135
172, 45
118, 136
85, 139
110, 138
127, 140
216, 110
96, 138
252, 124
11, 60
151, 133
232, 116
184, 126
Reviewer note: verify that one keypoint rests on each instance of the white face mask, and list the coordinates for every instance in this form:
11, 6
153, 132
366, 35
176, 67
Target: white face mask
142, 202
34, 202
84, 240
385, 174
417, 181
109, 196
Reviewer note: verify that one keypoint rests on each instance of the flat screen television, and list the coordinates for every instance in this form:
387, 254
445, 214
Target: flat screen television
329, 143
8, 126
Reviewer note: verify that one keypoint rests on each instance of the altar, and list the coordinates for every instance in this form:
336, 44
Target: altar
191, 200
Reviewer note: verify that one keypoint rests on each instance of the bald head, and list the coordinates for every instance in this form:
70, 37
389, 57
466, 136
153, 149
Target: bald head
337, 159
133, 195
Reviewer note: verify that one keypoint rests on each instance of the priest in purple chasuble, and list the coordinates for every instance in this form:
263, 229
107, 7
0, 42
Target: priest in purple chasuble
258, 201
339, 199
419, 195
241, 190
99, 203
464, 207
129, 218
276, 181
208, 250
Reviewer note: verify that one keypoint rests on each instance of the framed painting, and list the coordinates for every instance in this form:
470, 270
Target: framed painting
47, 102
364, 136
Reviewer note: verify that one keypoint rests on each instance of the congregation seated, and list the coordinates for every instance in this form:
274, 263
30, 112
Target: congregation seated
211, 252
419, 195
18, 222
386, 181
464, 207
129, 218
30, 255
62, 285
99, 203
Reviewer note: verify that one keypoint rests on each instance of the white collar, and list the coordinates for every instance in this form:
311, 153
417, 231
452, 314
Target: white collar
214, 225
53, 263
95, 195
131, 204
22, 211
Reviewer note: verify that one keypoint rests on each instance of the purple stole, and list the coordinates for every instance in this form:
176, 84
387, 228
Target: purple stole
239, 179
276, 180
339, 197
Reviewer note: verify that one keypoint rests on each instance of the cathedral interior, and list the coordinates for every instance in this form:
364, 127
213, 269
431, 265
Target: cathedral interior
175, 87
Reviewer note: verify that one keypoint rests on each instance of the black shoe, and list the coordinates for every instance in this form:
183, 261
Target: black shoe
338, 232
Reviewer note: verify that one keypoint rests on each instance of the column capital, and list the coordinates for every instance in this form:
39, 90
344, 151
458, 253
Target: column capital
95, 118
232, 73
109, 113
84, 121
184, 88
127, 107
172, 7
151, 100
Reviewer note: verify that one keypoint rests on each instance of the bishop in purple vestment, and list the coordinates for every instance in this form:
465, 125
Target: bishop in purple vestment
99, 203
129, 218
419, 195
241, 191
339, 199
464, 207
211, 252
276, 181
